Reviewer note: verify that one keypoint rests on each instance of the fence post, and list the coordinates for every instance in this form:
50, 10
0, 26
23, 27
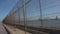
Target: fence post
40, 13
19, 14
25, 15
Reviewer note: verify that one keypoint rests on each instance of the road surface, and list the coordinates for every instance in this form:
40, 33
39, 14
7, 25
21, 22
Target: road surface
2, 29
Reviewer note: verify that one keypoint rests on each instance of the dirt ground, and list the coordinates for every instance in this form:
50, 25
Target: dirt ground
2, 30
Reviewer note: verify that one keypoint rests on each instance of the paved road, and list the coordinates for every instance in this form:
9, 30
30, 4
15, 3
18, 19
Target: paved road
2, 30
14, 30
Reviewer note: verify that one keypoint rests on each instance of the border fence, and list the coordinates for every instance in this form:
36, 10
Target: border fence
34, 13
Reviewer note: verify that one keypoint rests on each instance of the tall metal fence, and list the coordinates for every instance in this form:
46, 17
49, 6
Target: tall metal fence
35, 13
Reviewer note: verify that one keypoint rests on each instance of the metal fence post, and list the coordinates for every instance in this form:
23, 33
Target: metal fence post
19, 14
25, 15
40, 13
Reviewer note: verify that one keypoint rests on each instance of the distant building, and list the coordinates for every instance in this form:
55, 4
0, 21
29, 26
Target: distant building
56, 17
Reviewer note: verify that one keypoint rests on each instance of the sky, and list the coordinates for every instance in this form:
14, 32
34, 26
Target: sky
50, 8
5, 7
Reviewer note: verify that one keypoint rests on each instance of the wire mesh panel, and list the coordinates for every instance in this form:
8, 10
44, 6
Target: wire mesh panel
50, 9
33, 13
